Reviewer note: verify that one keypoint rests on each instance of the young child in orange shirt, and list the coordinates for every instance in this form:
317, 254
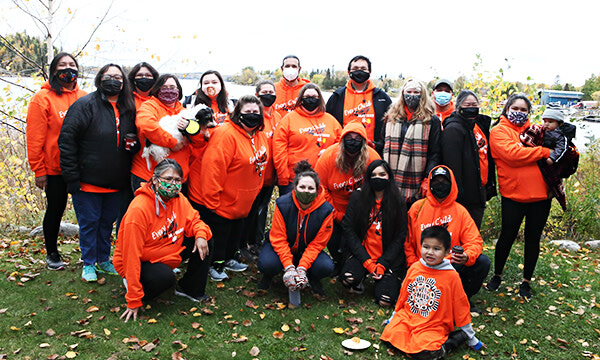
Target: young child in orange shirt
431, 303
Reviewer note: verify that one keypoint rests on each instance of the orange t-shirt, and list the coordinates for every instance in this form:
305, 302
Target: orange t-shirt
358, 105
482, 145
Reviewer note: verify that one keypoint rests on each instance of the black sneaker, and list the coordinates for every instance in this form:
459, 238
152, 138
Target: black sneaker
474, 309
525, 290
494, 283
179, 292
264, 283
317, 288
54, 262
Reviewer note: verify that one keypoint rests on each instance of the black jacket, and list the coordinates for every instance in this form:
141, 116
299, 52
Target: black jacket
392, 256
460, 153
381, 102
88, 144
559, 139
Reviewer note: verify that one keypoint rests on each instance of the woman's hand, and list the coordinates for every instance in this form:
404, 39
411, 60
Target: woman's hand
128, 313
301, 279
201, 245
459, 258
178, 146
41, 182
377, 276
289, 277
182, 123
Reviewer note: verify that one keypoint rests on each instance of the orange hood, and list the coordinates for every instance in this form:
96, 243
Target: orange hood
355, 126
369, 88
450, 199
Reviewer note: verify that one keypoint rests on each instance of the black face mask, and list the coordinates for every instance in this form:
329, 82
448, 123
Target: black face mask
469, 112
441, 190
359, 76
144, 84
352, 146
311, 103
67, 75
251, 120
412, 101
379, 184
267, 99
110, 87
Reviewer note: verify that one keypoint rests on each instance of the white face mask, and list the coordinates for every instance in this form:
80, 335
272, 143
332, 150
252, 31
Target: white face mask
290, 74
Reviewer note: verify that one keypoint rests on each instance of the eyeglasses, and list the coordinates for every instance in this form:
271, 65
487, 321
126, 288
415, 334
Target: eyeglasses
144, 76
172, 180
112, 77
168, 87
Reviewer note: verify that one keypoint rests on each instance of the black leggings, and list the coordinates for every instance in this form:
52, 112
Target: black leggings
56, 197
386, 288
513, 212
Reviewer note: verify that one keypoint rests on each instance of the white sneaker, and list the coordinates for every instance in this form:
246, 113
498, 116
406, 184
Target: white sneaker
216, 275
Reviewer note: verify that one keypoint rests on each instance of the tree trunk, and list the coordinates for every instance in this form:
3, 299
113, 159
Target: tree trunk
49, 47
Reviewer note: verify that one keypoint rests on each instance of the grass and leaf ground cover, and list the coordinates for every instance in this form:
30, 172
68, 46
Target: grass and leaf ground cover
54, 315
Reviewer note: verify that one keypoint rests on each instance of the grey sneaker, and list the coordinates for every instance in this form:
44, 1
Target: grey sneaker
54, 262
217, 275
179, 292
234, 265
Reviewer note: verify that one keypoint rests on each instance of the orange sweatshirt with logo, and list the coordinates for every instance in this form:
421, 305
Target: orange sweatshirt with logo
519, 177
278, 233
287, 95
147, 118
448, 213
272, 120
139, 99
339, 186
431, 303
231, 175
358, 105
45, 117
302, 136
151, 232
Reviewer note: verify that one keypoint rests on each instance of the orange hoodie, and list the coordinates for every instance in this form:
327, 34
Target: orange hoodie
358, 105
339, 186
139, 99
229, 179
302, 136
278, 234
448, 213
272, 120
519, 177
444, 114
45, 117
151, 232
431, 303
146, 121
287, 95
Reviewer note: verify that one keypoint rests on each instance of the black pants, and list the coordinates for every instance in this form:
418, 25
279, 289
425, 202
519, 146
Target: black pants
386, 289
226, 233
476, 212
254, 225
513, 212
136, 182
337, 246
56, 199
157, 278
472, 277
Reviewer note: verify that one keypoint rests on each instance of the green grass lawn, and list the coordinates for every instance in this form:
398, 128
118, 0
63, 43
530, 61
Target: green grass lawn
49, 315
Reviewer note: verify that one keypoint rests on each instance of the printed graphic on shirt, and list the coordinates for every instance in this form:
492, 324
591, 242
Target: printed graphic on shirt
481, 142
349, 185
440, 221
375, 219
423, 296
62, 114
220, 118
168, 230
259, 159
361, 111
318, 131
287, 106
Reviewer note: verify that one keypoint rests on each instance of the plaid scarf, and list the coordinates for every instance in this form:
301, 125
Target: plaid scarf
409, 157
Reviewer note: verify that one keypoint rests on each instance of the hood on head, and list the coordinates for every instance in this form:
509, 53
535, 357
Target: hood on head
355, 126
447, 172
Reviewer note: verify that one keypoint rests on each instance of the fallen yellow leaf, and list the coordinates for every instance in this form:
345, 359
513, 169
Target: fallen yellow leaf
285, 328
152, 321
338, 330
107, 332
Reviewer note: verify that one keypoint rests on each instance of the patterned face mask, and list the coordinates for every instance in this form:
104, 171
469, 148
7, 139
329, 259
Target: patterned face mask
412, 100
518, 118
168, 190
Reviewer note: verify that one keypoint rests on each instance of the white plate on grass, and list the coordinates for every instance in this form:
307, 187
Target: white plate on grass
349, 344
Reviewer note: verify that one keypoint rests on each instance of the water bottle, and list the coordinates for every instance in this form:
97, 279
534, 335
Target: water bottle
294, 297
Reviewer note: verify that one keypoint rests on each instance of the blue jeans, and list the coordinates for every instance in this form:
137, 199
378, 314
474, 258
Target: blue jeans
96, 213
472, 277
270, 265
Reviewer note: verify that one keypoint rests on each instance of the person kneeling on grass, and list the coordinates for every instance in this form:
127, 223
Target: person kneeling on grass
302, 226
159, 229
431, 303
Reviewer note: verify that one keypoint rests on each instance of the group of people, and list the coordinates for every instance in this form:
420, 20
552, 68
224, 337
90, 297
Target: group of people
385, 187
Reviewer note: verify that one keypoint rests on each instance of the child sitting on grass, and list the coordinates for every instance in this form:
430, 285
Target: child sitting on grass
558, 135
431, 303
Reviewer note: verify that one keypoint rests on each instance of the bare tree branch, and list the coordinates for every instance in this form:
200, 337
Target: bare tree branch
12, 48
95, 29
43, 4
26, 11
12, 126
12, 117
15, 84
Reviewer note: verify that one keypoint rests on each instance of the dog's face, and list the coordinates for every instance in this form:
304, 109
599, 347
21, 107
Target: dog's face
205, 118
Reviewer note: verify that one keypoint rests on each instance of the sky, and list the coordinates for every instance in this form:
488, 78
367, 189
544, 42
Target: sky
422, 39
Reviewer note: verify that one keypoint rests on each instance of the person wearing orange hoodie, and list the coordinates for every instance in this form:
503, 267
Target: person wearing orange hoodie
301, 228
341, 170
361, 100
442, 98
142, 77
257, 219
289, 86
45, 116
159, 230
164, 101
440, 208
303, 134
523, 189
230, 178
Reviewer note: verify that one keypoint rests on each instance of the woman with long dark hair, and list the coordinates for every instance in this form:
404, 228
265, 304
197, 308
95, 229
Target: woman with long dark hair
212, 93
45, 116
95, 159
374, 231
142, 77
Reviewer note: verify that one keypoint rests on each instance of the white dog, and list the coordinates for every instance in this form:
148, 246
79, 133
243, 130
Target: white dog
200, 113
